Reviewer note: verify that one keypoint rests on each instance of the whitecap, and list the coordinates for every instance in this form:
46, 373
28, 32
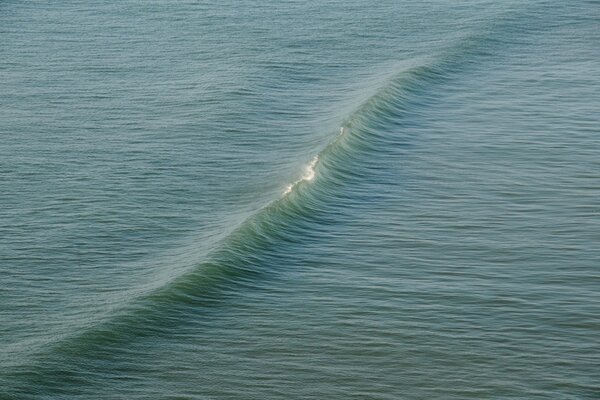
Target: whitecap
309, 175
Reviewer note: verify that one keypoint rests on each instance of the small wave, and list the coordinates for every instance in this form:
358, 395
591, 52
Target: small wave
232, 256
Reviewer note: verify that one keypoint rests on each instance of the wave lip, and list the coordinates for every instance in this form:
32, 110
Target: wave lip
309, 170
309, 175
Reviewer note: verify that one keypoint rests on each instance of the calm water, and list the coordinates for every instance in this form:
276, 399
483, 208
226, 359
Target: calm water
300, 199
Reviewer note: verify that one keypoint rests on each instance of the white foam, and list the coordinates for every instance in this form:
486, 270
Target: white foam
309, 175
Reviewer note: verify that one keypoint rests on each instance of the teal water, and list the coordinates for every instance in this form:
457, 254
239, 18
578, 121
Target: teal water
300, 200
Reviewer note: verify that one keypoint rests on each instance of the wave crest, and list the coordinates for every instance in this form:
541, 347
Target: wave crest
309, 175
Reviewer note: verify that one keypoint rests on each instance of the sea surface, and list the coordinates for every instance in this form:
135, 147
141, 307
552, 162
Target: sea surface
300, 199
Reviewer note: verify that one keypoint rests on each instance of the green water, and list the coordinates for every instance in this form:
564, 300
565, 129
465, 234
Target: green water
300, 200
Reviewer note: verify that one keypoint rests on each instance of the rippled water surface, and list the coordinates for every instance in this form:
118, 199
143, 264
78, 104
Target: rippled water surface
300, 199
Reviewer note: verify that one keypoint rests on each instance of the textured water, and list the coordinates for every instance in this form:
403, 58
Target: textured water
300, 199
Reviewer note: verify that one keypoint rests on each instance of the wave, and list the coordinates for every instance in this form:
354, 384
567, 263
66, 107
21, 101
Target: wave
236, 260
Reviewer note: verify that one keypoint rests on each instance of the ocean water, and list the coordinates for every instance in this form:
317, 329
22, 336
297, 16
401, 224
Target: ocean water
300, 199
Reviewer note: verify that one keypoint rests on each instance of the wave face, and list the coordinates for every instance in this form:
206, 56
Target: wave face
299, 200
